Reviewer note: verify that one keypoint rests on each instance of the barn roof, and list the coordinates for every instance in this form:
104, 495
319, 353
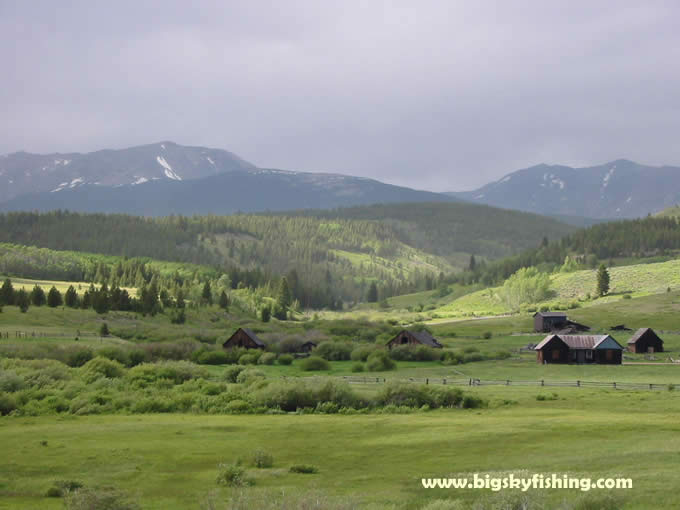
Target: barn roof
422, 336
642, 332
560, 315
582, 341
252, 336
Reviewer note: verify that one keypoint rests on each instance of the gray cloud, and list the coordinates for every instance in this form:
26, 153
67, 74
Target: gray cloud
438, 95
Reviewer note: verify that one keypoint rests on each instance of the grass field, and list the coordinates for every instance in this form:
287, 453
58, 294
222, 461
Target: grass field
170, 461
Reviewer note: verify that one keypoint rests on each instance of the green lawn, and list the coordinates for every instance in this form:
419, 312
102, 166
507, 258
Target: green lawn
169, 461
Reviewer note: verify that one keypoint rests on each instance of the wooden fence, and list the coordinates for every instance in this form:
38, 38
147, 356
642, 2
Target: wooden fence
353, 379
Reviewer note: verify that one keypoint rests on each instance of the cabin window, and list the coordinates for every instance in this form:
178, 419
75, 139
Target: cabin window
589, 354
404, 340
555, 355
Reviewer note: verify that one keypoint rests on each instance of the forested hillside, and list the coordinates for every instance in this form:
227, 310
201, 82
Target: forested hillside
331, 256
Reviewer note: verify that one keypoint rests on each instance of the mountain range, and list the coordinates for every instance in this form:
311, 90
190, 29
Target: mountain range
619, 189
166, 178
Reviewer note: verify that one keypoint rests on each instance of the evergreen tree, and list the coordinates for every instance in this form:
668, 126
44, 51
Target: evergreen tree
71, 297
372, 296
602, 280
54, 298
284, 297
104, 329
22, 300
7, 293
473, 263
38, 297
180, 299
266, 313
224, 301
206, 295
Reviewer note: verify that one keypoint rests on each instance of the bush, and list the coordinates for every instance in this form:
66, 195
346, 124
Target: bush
358, 367
7, 404
176, 372
475, 356
136, 357
362, 352
262, 459
334, 351
415, 353
212, 358
101, 367
11, 382
232, 475
267, 358
305, 469
231, 373
626, 296
250, 375
285, 359
379, 361
101, 499
487, 335
314, 363
54, 492
248, 359
78, 357
115, 354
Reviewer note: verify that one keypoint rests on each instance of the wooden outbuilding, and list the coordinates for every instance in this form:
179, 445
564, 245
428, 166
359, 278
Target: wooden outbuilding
243, 337
545, 322
579, 349
307, 346
406, 337
645, 340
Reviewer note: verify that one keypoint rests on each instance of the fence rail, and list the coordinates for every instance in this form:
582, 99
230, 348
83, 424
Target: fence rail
508, 382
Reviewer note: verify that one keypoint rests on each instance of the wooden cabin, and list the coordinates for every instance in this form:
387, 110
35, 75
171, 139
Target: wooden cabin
645, 340
307, 347
406, 337
243, 337
579, 349
544, 322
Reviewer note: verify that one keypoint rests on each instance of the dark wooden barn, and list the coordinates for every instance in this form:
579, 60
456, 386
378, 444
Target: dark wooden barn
414, 338
645, 340
545, 322
307, 346
579, 349
243, 337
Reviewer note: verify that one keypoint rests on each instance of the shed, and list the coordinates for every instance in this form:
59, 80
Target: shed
548, 321
645, 340
307, 346
406, 337
243, 337
580, 349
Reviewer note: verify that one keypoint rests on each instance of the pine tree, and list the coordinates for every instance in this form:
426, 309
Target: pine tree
284, 298
473, 263
54, 298
38, 297
22, 300
180, 299
266, 313
7, 293
602, 280
372, 296
206, 295
104, 330
224, 301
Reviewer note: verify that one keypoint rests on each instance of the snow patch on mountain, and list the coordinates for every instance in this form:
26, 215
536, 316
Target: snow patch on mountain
170, 174
210, 160
140, 180
608, 175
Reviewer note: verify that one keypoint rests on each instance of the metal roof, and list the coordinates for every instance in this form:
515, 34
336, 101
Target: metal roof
253, 337
551, 314
640, 333
577, 342
423, 337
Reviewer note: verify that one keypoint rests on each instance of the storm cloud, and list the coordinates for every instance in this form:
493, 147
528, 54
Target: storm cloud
436, 95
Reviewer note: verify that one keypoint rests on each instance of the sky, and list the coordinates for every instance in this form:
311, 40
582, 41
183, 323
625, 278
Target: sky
438, 95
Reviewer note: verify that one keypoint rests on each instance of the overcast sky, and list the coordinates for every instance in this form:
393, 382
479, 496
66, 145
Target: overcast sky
437, 95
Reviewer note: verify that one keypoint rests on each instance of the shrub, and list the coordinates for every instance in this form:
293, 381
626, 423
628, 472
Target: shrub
267, 358
475, 356
11, 382
238, 406
230, 374
212, 358
250, 375
415, 353
379, 361
136, 357
104, 329
626, 296
285, 359
358, 367
262, 459
7, 404
248, 359
362, 352
487, 335
472, 402
115, 354
100, 367
175, 371
232, 475
78, 357
305, 469
470, 349
334, 351
101, 499
314, 363
54, 492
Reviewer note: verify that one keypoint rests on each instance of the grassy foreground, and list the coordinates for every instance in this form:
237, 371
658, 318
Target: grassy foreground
170, 461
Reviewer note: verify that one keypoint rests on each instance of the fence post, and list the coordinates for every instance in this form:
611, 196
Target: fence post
650, 387
444, 382
578, 383
427, 381
507, 382
614, 385
542, 382
470, 382
377, 379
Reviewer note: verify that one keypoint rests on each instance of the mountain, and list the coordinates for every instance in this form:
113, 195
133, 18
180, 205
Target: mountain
167, 178
22, 172
620, 189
